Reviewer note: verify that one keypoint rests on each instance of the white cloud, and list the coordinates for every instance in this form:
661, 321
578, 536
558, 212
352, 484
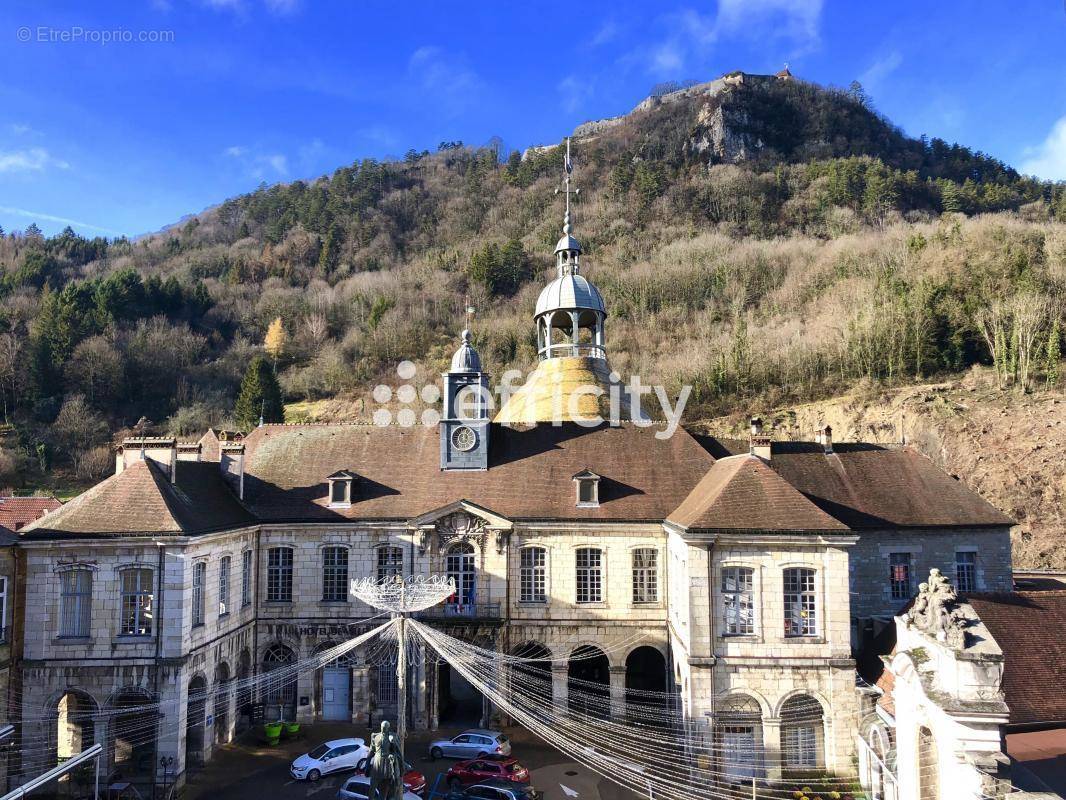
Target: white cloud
1048, 159
259, 164
278, 8
446, 76
694, 34
575, 92
19, 129
607, 32
36, 215
32, 159
881, 69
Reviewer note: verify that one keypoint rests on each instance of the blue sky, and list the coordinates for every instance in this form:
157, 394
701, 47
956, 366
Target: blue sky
128, 136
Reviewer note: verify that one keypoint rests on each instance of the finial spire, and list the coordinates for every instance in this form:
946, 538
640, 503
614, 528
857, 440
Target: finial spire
568, 169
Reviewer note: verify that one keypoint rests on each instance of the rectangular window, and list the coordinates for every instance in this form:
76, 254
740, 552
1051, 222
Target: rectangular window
966, 571
589, 575
335, 574
533, 577
223, 586
738, 601
279, 575
645, 575
3, 609
199, 579
246, 578
390, 562
137, 594
75, 597
801, 746
801, 614
899, 575
388, 684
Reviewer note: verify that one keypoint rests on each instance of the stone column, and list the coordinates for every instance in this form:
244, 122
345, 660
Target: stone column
560, 684
618, 693
360, 695
771, 738
420, 696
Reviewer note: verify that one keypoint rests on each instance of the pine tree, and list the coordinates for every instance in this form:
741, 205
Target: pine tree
275, 341
260, 396
1054, 355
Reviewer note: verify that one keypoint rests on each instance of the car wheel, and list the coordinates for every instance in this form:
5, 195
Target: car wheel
435, 753
482, 754
314, 775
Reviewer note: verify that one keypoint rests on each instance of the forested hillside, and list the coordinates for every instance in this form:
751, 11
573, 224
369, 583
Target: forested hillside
768, 242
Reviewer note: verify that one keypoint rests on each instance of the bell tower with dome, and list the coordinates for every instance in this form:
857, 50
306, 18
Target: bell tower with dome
464, 425
572, 381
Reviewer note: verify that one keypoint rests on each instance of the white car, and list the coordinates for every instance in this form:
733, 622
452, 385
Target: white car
337, 755
358, 788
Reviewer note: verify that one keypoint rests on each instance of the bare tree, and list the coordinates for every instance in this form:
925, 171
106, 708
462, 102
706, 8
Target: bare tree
1029, 313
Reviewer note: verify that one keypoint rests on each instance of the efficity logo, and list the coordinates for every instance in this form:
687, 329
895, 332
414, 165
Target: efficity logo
625, 402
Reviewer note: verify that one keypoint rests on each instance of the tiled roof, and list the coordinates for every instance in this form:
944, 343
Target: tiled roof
16, 512
142, 500
1030, 629
530, 477
873, 486
743, 493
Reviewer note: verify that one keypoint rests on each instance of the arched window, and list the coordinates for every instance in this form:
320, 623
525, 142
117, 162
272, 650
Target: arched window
335, 574
279, 575
137, 593
76, 602
461, 567
533, 575
279, 688
802, 733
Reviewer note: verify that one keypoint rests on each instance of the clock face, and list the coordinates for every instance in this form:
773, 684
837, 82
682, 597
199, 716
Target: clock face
464, 438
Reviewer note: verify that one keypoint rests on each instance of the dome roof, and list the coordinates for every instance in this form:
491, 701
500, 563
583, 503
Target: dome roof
466, 358
569, 292
568, 242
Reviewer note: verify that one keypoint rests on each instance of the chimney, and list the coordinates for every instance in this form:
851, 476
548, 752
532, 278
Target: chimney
189, 451
824, 437
162, 450
231, 462
760, 442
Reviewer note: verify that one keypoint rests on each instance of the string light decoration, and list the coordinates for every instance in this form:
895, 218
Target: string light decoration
403, 595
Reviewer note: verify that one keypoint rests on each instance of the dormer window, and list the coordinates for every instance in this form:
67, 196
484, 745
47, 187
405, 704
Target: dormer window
340, 489
588, 489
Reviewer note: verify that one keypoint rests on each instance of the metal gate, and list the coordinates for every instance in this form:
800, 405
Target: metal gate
336, 694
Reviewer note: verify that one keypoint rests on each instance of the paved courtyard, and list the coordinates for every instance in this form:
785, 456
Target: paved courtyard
249, 770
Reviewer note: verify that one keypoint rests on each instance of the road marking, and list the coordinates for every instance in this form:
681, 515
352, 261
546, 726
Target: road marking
567, 790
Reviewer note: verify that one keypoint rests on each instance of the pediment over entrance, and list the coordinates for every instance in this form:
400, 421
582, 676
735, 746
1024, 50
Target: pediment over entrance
461, 521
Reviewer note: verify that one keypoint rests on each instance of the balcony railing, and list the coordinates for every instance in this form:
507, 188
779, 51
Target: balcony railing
463, 611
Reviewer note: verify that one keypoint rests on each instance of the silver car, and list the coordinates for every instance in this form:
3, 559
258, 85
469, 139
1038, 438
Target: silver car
476, 743
358, 788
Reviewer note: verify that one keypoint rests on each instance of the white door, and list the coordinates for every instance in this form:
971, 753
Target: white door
336, 694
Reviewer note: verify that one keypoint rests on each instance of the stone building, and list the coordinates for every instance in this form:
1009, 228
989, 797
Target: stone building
737, 576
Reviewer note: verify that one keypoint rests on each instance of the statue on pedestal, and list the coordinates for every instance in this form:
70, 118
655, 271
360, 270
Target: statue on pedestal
385, 765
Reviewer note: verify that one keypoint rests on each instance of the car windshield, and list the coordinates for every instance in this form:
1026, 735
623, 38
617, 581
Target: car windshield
319, 751
357, 789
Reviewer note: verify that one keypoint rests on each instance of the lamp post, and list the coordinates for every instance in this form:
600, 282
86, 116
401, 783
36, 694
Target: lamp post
402, 596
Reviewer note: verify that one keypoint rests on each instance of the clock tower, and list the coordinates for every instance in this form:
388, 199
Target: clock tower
464, 425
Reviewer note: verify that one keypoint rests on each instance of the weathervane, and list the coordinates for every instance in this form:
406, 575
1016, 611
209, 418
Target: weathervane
568, 169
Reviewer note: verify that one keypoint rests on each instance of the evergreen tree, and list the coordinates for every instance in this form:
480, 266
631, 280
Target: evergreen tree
260, 396
330, 253
1054, 355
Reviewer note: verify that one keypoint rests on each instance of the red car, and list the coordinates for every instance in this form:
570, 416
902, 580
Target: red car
477, 770
413, 780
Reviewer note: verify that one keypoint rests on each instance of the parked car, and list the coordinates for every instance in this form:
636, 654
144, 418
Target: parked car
413, 780
333, 756
476, 743
496, 790
357, 787
478, 770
